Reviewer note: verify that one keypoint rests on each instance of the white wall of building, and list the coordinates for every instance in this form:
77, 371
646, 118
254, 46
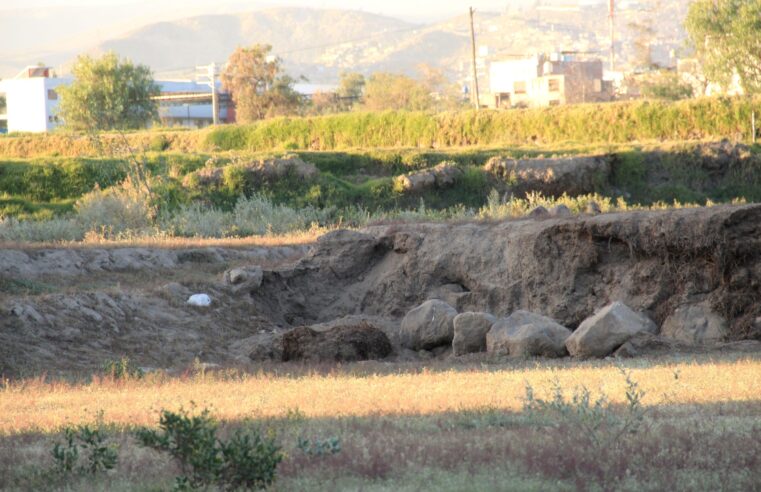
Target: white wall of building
32, 103
504, 74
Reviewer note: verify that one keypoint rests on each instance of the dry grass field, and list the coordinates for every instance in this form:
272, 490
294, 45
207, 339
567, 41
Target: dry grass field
36, 405
442, 426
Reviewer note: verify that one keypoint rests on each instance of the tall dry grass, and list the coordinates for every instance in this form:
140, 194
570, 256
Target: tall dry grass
38, 405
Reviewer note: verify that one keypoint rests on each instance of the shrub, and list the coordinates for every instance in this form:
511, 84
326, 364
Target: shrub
99, 455
244, 461
159, 143
115, 211
54, 230
197, 220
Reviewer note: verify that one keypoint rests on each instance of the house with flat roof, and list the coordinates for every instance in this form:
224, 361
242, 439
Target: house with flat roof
31, 100
547, 80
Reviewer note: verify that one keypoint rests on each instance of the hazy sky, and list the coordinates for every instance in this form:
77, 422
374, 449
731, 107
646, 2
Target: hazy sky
418, 9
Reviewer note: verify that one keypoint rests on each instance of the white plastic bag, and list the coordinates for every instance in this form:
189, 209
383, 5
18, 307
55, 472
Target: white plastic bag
202, 300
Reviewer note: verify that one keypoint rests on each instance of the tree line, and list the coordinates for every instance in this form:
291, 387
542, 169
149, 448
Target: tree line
113, 93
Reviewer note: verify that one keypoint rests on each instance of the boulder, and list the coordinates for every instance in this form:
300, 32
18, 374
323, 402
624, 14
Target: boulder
561, 211
244, 278
647, 344
470, 331
593, 208
538, 212
441, 176
695, 325
264, 346
428, 326
608, 329
339, 344
526, 334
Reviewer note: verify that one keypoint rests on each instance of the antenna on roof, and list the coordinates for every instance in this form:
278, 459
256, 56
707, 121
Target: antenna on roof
611, 19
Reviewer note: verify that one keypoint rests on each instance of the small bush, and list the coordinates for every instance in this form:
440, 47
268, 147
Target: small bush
159, 143
115, 211
244, 461
319, 447
87, 442
54, 230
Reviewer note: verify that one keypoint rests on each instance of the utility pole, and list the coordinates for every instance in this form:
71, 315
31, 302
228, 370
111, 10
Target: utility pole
477, 99
211, 81
611, 20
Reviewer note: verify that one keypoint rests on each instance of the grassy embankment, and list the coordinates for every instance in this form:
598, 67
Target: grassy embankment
359, 155
444, 428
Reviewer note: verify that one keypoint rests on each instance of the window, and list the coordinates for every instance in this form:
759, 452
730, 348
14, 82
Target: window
52, 95
598, 85
553, 85
519, 87
554, 102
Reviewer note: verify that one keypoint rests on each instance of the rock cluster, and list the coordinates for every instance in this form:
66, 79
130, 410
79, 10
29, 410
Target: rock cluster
612, 330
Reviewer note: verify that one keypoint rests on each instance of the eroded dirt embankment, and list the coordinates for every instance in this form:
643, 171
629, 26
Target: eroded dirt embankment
562, 268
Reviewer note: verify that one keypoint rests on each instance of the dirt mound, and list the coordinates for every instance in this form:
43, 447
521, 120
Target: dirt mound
564, 268
552, 176
265, 170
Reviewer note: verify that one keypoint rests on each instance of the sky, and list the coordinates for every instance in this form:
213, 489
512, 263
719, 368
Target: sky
423, 10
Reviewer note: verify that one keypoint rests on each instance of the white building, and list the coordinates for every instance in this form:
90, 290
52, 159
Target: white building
546, 80
31, 100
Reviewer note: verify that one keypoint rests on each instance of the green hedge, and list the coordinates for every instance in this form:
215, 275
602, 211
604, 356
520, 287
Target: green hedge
587, 123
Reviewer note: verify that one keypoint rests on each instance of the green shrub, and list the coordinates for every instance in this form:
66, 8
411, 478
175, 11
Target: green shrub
602, 123
159, 143
87, 442
244, 461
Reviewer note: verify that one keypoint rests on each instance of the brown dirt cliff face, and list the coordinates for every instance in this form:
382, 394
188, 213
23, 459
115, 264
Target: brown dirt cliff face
562, 268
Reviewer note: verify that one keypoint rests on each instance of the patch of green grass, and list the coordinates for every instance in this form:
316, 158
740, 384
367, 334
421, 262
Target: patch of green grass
15, 286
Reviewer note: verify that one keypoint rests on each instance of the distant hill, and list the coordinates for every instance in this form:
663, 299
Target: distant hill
304, 38
320, 43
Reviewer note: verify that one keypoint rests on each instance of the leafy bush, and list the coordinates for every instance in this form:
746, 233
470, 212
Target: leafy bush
244, 461
115, 211
88, 442
319, 447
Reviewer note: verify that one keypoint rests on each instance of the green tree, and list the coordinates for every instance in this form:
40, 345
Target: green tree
384, 91
108, 93
665, 84
351, 86
726, 35
252, 77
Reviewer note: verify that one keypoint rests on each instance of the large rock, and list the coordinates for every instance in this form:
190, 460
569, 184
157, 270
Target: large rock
338, 344
525, 334
695, 325
647, 344
470, 331
608, 329
244, 278
441, 176
428, 326
554, 176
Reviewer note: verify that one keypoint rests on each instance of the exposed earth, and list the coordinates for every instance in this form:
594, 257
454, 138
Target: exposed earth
690, 278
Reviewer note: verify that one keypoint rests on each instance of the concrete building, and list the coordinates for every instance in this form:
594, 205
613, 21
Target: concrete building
31, 100
547, 80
